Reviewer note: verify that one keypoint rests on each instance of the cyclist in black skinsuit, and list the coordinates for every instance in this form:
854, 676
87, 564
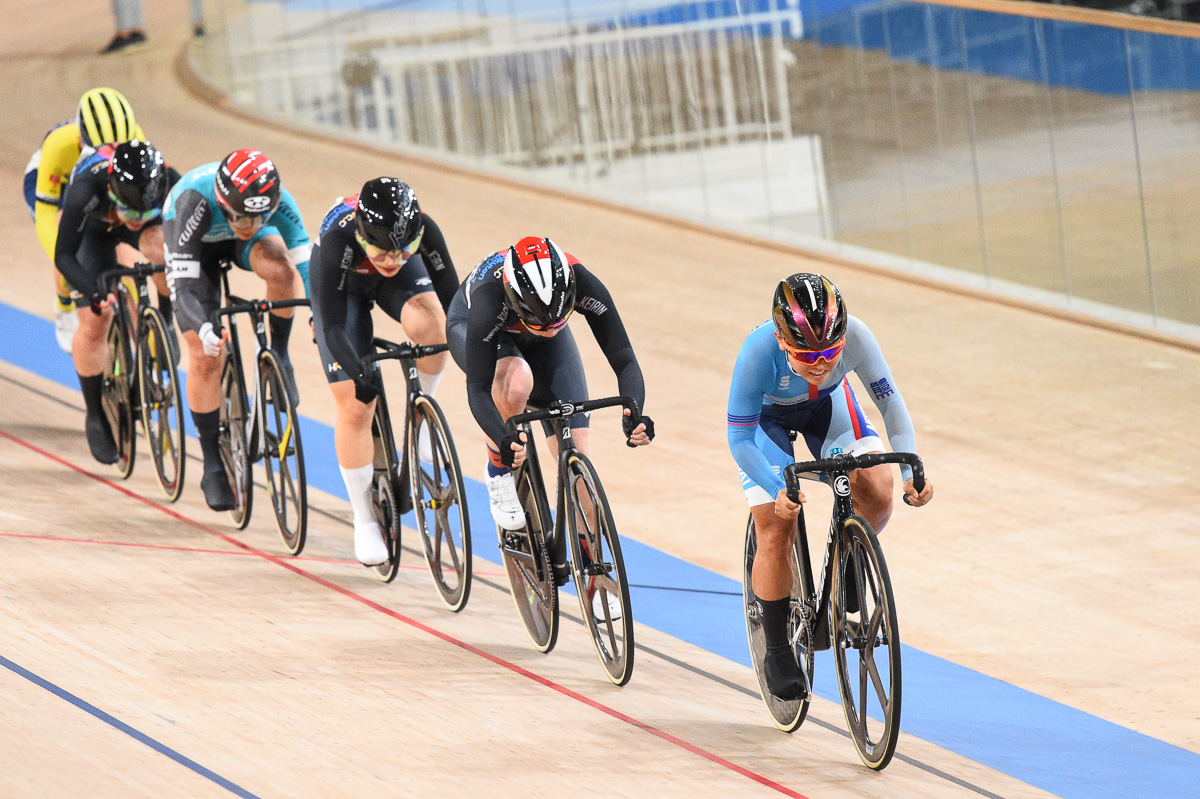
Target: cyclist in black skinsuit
507, 330
115, 197
376, 247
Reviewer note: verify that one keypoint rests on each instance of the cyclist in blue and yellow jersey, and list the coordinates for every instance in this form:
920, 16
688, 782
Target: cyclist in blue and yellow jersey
791, 375
507, 330
102, 117
115, 197
233, 212
376, 247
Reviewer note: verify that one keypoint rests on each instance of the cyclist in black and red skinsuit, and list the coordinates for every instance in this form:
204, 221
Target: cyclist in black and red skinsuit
115, 197
507, 330
376, 247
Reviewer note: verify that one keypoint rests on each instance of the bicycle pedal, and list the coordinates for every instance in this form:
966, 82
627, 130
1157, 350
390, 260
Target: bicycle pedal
562, 573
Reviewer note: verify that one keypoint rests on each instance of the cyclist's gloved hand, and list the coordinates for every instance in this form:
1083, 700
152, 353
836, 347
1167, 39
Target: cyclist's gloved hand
628, 426
210, 339
364, 390
96, 301
507, 454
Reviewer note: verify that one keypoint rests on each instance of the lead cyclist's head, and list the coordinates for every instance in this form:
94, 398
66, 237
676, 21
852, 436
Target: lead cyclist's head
248, 191
104, 116
539, 284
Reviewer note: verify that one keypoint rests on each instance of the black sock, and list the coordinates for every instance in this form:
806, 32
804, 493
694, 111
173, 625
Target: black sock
208, 430
93, 388
164, 307
774, 623
281, 330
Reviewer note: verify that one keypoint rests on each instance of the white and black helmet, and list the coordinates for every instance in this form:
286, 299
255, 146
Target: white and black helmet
539, 282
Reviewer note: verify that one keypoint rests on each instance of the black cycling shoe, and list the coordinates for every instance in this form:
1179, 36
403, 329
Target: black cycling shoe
288, 374
785, 678
217, 492
100, 439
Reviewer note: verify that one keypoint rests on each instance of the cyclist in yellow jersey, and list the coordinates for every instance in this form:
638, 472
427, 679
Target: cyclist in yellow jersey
102, 117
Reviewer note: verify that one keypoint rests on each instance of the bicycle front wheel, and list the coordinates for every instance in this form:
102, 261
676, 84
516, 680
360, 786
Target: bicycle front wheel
527, 562
788, 715
866, 644
599, 569
234, 443
117, 391
283, 456
162, 403
439, 502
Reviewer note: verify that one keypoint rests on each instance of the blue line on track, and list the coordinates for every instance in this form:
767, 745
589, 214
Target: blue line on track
141, 737
1047, 744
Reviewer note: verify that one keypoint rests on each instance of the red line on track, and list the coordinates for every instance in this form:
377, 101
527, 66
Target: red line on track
562, 689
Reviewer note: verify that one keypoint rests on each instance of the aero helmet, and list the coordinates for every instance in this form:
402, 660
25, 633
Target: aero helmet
388, 215
137, 176
809, 313
104, 117
247, 184
539, 283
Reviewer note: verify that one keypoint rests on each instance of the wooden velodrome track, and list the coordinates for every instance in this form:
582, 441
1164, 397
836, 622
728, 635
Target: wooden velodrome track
152, 651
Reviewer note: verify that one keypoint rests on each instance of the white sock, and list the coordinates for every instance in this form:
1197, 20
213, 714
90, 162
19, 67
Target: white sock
429, 383
358, 486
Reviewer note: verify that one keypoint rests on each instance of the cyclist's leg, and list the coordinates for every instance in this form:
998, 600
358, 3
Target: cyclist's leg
352, 440
89, 347
150, 244
267, 255
851, 432
558, 375
410, 300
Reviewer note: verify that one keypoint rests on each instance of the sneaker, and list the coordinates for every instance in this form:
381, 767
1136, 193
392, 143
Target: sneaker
65, 325
785, 678
369, 546
100, 439
125, 42
614, 607
506, 506
217, 491
198, 31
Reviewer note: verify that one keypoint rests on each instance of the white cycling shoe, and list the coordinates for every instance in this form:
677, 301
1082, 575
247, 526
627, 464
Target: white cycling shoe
614, 607
369, 546
65, 325
506, 506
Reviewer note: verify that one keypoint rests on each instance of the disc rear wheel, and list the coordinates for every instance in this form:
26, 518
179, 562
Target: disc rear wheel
162, 403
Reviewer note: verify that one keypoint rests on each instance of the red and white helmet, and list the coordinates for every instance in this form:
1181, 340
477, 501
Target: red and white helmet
539, 283
247, 184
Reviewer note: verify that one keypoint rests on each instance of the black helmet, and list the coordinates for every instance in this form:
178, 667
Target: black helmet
388, 215
137, 176
247, 184
809, 313
539, 282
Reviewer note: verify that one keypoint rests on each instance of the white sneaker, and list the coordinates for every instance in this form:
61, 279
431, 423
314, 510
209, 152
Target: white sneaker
369, 546
614, 607
506, 506
65, 325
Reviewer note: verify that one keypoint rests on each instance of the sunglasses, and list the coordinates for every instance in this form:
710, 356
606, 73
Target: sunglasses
132, 214
244, 221
378, 255
811, 357
553, 326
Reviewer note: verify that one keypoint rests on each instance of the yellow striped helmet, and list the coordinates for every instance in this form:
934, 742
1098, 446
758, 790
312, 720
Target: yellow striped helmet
104, 117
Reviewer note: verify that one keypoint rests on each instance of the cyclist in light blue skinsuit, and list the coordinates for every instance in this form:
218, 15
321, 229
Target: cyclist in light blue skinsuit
791, 375
237, 212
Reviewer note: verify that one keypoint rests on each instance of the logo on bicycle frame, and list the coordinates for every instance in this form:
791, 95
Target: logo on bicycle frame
841, 485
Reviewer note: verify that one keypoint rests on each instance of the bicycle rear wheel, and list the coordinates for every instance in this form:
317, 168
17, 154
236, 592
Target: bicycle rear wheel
599, 569
866, 644
162, 403
234, 443
118, 387
788, 715
387, 513
527, 562
439, 503
283, 456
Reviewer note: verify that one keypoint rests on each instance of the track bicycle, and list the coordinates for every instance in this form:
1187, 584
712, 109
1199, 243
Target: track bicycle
535, 557
141, 379
263, 426
433, 486
851, 609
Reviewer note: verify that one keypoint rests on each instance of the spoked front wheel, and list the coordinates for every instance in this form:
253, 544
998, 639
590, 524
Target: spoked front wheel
162, 403
283, 457
117, 397
599, 570
234, 442
527, 562
787, 714
439, 502
866, 644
